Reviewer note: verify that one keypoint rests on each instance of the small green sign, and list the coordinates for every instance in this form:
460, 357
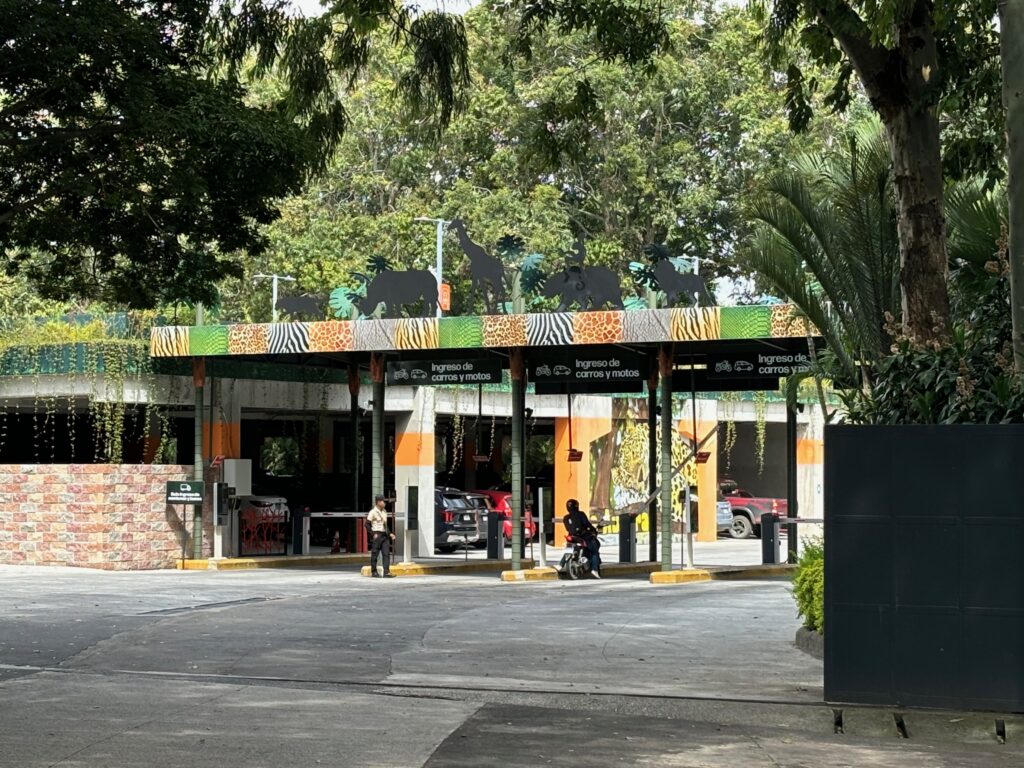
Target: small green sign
184, 492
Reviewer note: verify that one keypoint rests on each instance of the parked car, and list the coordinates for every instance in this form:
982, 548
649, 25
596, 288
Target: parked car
502, 501
456, 523
723, 516
747, 509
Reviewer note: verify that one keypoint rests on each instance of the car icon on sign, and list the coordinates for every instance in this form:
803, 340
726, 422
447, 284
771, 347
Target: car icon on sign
743, 366
562, 370
418, 373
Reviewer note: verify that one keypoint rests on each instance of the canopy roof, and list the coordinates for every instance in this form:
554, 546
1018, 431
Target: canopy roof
553, 329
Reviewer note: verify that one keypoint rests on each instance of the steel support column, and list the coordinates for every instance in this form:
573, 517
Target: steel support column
791, 483
377, 467
665, 369
518, 371
652, 463
356, 443
198, 378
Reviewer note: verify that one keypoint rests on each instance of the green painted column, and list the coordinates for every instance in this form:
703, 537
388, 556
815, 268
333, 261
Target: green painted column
198, 378
518, 370
665, 366
377, 468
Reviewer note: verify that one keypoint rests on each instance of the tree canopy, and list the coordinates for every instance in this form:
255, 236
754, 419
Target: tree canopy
917, 61
662, 154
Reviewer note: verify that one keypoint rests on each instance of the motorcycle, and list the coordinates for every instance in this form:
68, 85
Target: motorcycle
575, 563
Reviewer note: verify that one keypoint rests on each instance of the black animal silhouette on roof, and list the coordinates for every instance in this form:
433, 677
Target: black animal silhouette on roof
398, 289
586, 287
484, 268
311, 306
675, 284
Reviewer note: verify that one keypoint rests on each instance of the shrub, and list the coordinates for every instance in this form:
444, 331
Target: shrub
809, 585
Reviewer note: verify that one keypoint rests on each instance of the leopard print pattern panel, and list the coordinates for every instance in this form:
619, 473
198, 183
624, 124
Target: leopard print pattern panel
330, 336
248, 340
786, 323
597, 327
504, 330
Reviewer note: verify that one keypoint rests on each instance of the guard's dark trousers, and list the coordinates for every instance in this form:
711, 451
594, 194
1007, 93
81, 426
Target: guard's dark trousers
381, 545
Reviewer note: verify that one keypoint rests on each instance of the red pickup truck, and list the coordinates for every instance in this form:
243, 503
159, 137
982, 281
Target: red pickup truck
747, 510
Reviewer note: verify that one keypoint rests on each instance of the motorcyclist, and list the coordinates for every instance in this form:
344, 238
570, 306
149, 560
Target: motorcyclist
578, 526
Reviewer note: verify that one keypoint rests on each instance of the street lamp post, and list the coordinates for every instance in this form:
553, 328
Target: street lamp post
441, 226
273, 290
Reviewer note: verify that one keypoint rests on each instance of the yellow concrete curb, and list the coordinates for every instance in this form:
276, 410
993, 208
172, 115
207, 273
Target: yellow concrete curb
724, 573
193, 565
680, 577
530, 574
448, 569
289, 561
753, 572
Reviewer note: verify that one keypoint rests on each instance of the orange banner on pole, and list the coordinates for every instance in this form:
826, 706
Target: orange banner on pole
444, 298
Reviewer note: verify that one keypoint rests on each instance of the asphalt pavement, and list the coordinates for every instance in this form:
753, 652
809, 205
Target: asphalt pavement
324, 667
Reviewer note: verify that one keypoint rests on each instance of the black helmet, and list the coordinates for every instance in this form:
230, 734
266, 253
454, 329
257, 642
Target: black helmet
572, 505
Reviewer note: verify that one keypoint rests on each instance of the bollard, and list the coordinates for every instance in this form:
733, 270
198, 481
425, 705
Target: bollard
769, 539
495, 545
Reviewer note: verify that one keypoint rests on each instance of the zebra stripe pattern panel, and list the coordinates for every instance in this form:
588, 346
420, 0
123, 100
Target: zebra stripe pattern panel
550, 330
289, 338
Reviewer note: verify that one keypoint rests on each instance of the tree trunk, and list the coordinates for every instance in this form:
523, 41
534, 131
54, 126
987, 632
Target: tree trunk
916, 151
900, 83
1011, 18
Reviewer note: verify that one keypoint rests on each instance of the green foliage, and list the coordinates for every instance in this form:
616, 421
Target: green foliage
825, 238
968, 378
870, 37
129, 167
809, 585
666, 157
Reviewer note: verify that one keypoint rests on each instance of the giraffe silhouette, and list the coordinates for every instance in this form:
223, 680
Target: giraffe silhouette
484, 268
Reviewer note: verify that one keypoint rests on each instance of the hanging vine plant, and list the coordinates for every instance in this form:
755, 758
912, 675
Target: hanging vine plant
761, 428
729, 399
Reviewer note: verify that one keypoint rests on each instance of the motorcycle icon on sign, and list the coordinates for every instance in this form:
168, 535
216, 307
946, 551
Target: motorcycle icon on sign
723, 366
542, 370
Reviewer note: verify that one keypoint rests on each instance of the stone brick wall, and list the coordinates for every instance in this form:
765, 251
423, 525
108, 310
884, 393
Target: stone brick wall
109, 516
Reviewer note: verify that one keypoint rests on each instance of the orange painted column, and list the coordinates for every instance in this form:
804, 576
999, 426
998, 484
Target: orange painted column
572, 478
414, 466
707, 479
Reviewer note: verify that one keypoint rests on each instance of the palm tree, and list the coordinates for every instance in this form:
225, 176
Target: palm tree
825, 237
